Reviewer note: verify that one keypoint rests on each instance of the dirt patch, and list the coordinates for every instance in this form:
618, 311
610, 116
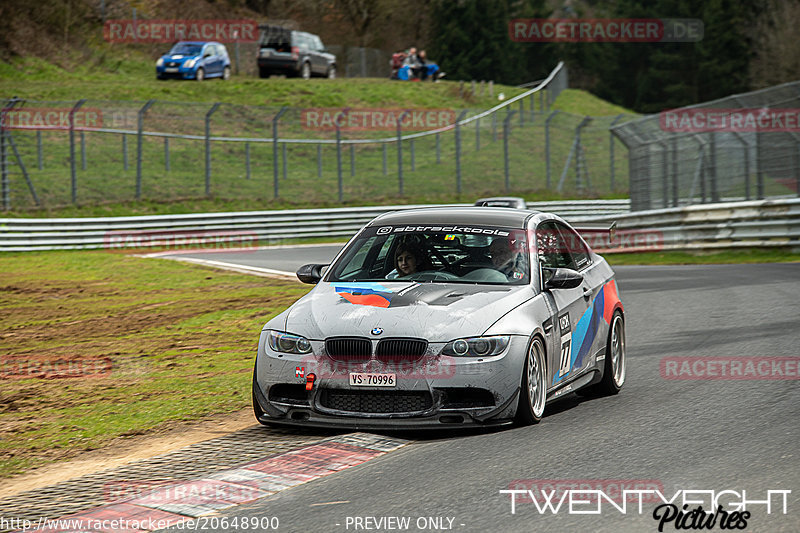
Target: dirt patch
171, 436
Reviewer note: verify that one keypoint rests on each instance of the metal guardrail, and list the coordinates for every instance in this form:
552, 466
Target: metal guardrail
28, 234
724, 225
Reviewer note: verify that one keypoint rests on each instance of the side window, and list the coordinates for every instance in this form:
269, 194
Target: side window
552, 247
318, 44
575, 246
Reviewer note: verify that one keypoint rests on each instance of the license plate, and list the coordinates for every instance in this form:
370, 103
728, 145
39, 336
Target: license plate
372, 379
171, 69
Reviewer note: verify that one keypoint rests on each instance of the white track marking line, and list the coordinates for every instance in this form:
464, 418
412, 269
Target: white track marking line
243, 269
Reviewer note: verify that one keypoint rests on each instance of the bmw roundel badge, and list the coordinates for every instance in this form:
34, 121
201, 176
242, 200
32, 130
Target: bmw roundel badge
377, 331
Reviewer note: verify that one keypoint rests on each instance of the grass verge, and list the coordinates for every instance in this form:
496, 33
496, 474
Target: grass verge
746, 255
180, 339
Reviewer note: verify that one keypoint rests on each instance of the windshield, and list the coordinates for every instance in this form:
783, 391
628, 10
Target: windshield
449, 254
186, 49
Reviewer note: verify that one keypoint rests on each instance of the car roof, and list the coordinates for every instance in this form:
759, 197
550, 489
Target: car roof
197, 42
482, 216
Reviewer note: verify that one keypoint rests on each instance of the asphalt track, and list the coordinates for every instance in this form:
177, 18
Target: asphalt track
675, 435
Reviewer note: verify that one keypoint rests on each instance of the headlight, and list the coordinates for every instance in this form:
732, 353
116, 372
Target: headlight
160, 62
287, 343
476, 346
190, 63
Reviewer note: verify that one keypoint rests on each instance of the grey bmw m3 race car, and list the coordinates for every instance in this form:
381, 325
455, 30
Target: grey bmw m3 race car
443, 317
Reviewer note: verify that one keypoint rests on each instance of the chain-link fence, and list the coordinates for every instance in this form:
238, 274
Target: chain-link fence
737, 148
89, 152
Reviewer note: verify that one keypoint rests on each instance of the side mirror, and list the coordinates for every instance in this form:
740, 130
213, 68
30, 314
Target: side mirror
563, 278
310, 273
207, 54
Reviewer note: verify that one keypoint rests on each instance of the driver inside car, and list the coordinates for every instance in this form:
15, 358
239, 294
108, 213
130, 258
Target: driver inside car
505, 259
408, 259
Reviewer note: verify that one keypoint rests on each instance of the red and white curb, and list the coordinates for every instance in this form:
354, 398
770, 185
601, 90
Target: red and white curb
175, 502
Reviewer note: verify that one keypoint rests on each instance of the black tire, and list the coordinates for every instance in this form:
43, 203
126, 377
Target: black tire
615, 361
263, 72
226, 74
610, 384
201, 74
533, 396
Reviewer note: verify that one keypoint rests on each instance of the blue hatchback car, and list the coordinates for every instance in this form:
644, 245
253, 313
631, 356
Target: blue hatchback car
194, 60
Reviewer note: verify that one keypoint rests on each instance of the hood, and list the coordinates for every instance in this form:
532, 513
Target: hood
178, 58
437, 312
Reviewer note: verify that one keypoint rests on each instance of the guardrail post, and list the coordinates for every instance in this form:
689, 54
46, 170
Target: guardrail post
139, 129
39, 151
166, 154
275, 150
72, 170
611, 147
547, 144
319, 160
506, 131
247, 160
458, 150
400, 150
208, 146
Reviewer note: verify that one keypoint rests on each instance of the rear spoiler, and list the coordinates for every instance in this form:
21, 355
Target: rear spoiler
599, 228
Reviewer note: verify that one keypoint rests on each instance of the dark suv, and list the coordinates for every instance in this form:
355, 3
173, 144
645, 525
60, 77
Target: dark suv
294, 53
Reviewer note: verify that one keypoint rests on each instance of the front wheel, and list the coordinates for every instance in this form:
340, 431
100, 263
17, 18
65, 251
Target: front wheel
533, 395
201, 74
305, 71
226, 74
332, 72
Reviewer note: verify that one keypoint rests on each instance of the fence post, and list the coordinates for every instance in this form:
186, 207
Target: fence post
580, 159
283, 160
352, 160
24, 170
521, 112
4, 183
674, 173
506, 131
438, 149
275, 150
664, 174
319, 160
208, 146
458, 149
338, 123
166, 154
477, 134
83, 151
385, 168
247, 160
139, 129
39, 151
413, 157
547, 144
400, 150
125, 151
713, 164
73, 172
494, 126
611, 147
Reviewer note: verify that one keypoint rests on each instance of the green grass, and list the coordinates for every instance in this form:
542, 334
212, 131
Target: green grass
181, 338
106, 187
734, 256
